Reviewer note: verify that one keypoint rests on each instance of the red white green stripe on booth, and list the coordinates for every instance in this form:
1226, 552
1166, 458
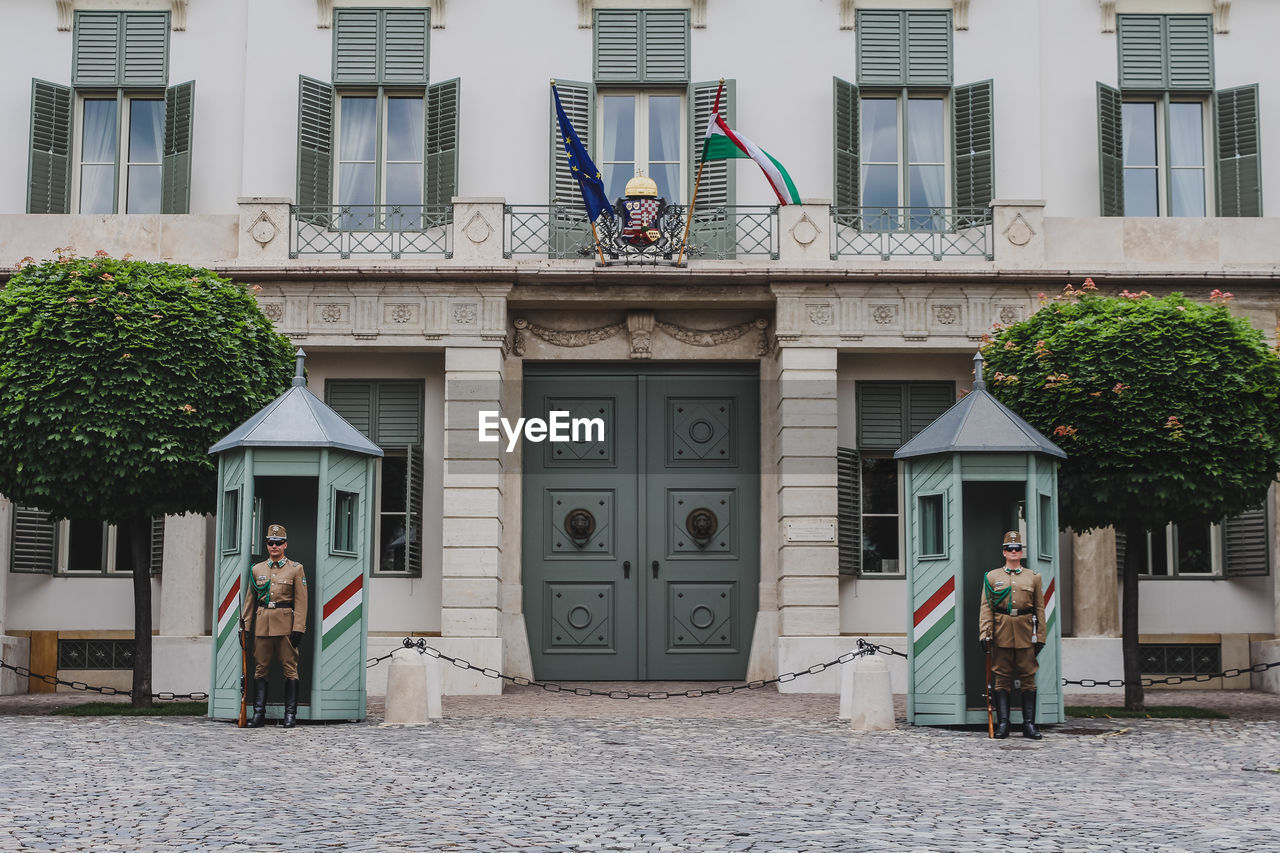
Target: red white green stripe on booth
723, 143
935, 616
1050, 607
229, 612
341, 612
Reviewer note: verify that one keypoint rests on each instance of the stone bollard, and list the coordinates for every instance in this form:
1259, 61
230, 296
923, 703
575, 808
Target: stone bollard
407, 691
846, 690
871, 709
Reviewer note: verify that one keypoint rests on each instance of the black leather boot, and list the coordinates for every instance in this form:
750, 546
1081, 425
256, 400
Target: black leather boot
1002, 713
1029, 715
290, 702
259, 704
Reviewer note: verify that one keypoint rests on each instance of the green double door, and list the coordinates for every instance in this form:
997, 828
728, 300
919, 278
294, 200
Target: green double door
641, 546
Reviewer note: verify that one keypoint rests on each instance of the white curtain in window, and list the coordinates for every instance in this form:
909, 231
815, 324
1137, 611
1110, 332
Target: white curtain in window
98, 157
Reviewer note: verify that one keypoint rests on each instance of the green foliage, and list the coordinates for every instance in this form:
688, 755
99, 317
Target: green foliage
116, 376
1167, 408
120, 709
1151, 712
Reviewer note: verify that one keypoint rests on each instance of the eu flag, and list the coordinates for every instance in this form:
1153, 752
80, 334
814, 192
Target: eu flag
584, 170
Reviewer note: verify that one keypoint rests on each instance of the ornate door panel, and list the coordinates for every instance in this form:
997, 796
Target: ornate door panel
641, 550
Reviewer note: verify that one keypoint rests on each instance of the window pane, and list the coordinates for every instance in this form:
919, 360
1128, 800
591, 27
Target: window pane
879, 545
667, 177
932, 534
1140, 192
880, 188
928, 191
358, 128
664, 127
1159, 547
144, 190
619, 129
146, 130
1186, 135
880, 130
391, 544
924, 130
404, 183
394, 471
356, 183
615, 177
85, 543
879, 486
1186, 192
124, 549
1139, 129
97, 189
404, 129
1194, 556
98, 144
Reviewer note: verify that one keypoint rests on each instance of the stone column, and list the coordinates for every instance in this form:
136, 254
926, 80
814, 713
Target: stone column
808, 586
472, 567
182, 647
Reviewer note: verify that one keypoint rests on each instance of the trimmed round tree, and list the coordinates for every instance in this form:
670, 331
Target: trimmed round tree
1168, 409
116, 376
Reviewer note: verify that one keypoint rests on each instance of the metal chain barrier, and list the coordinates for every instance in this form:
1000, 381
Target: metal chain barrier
1173, 679
166, 696
864, 648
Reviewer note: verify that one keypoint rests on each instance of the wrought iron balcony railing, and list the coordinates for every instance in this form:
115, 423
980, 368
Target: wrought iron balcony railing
563, 231
890, 232
394, 230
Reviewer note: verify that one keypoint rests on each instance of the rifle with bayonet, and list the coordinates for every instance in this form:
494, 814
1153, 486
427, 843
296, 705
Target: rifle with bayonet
991, 729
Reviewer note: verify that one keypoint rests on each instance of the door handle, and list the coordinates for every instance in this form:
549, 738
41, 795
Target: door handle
626, 569
655, 569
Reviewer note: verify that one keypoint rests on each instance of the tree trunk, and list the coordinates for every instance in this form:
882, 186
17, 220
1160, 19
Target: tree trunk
140, 552
1133, 694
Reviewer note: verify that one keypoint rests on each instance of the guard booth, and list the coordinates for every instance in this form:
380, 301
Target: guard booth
974, 473
297, 463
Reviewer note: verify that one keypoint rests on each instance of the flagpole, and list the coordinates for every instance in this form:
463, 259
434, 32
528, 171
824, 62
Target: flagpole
590, 221
697, 181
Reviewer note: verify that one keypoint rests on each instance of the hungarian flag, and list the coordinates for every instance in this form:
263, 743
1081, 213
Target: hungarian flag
723, 143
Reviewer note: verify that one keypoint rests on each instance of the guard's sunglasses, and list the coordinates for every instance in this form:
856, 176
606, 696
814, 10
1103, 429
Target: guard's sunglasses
1014, 548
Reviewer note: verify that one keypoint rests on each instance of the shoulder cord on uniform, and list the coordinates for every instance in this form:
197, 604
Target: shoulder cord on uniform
997, 599
261, 590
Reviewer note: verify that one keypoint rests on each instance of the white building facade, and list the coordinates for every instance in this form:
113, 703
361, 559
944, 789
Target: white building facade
389, 174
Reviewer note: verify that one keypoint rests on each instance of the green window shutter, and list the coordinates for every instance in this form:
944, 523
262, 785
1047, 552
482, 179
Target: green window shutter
175, 182
442, 144
1142, 52
157, 544
881, 47
928, 48
355, 45
973, 121
1110, 150
1190, 51
849, 508
881, 414
413, 505
146, 49
405, 46
1122, 550
315, 142
717, 188
568, 225
96, 49
1239, 166
666, 46
353, 400
617, 49
49, 166
34, 540
846, 141
398, 413
926, 401
1245, 545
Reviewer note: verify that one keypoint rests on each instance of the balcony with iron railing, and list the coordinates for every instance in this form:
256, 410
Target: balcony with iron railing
939, 233
390, 230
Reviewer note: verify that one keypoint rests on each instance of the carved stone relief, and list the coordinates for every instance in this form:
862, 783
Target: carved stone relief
821, 313
946, 315
1019, 232
640, 325
466, 313
332, 312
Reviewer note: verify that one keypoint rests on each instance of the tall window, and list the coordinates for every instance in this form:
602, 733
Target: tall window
43, 544
642, 132
904, 163
381, 155
131, 152
1237, 547
1169, 145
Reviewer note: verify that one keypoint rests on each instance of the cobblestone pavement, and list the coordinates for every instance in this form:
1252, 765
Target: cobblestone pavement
755, 771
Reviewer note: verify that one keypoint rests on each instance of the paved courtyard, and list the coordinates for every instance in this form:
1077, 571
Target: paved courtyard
528, 771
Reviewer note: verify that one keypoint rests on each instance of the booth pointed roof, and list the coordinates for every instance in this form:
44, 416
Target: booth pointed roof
297, 418
978, 423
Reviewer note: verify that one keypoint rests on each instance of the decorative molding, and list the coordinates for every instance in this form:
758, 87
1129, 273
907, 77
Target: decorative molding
805, 231
324, 10
697, 11
67, 15
710, 337
848, 15
960, 15
1221, 12
273, 311
478, 229
1108, 15
466, 313
820, 313
561, 337
946, 315
1019, 232
640, 326
849, 12
263, 229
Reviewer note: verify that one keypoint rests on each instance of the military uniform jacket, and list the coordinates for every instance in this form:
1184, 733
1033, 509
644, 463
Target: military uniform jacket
288, 584
1002, 591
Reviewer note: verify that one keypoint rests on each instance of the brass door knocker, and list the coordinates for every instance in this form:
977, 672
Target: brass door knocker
702, 524
579, 524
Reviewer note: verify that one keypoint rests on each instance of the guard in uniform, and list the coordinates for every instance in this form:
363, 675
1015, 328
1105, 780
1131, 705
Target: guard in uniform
1011, 629
278, 594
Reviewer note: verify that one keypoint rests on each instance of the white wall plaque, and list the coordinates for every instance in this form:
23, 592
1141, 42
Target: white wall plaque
823, 531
